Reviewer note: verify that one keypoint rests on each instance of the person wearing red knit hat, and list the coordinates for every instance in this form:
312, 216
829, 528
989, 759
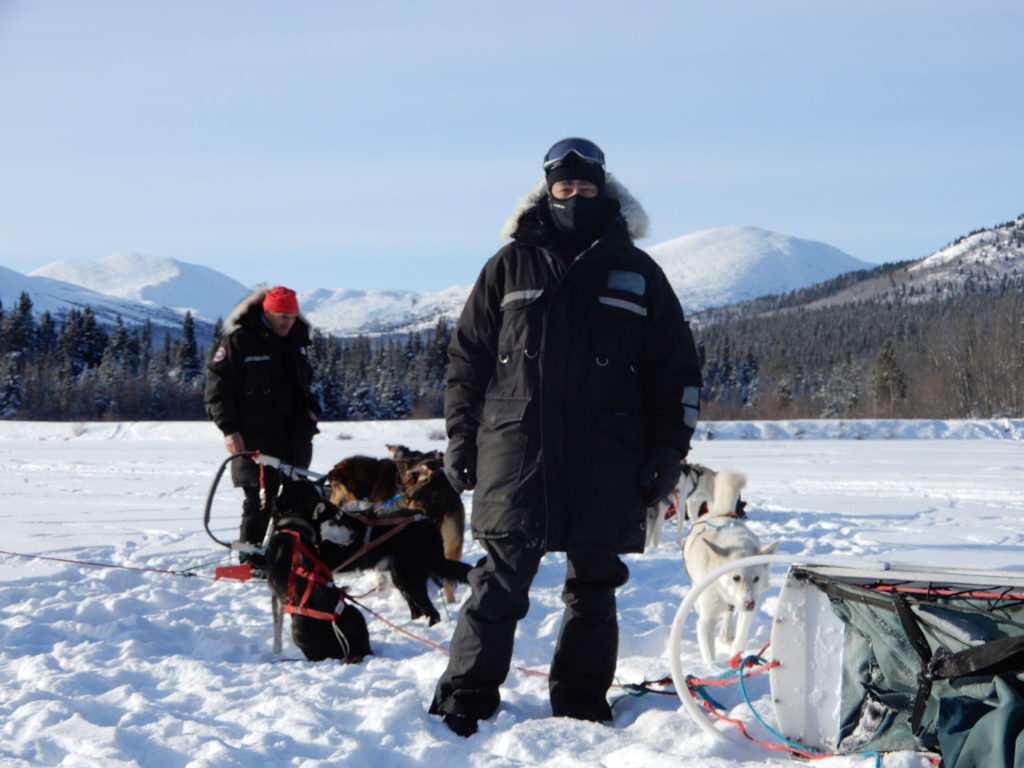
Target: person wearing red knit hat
259, 394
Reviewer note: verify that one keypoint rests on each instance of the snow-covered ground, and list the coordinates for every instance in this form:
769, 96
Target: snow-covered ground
117, 667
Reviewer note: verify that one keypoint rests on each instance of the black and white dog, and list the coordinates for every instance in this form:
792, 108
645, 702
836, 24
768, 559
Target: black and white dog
324, 626
356, 537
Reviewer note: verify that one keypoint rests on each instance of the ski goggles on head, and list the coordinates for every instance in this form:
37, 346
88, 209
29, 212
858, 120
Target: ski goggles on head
567, 149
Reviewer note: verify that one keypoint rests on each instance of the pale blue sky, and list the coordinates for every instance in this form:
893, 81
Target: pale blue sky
329, 143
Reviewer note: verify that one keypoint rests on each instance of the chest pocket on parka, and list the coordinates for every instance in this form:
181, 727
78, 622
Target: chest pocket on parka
522, 326
620, 329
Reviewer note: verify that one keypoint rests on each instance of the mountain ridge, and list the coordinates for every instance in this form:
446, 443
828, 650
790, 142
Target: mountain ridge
711, 270
985, 261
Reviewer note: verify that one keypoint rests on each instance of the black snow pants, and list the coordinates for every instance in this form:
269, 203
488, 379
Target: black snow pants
587, 649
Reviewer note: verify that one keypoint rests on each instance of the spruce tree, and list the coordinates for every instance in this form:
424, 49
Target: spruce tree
92, 339
187, 362
18, 328
890, 383
46, 336
10, 390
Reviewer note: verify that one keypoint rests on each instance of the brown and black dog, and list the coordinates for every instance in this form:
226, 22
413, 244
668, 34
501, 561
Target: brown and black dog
418, 480
404, 542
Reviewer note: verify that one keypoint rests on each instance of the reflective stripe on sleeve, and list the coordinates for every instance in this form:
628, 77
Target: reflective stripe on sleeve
631, 306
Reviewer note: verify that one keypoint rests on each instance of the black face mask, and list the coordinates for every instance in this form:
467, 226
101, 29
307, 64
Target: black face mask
580, 218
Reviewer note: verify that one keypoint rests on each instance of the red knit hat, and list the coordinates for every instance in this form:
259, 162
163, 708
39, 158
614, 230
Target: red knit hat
281, 300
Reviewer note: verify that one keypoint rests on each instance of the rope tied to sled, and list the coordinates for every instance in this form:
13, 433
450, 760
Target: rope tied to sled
737, 673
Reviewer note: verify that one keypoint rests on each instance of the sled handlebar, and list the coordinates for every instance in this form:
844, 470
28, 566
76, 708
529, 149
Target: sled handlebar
213, 489
288, 470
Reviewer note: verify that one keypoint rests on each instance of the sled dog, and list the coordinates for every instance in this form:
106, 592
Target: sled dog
691, 498
716, 538
418, 479
324, 626
353, 538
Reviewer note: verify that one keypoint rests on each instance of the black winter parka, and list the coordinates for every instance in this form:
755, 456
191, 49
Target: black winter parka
260, 384
566, 376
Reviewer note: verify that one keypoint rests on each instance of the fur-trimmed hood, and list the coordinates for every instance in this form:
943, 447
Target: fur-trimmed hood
249, 312
633, 213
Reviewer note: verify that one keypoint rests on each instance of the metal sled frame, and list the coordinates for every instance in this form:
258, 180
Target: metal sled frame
844, 566
287, 470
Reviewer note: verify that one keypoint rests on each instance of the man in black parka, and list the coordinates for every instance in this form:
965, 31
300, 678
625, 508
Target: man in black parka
572, 395
259, 394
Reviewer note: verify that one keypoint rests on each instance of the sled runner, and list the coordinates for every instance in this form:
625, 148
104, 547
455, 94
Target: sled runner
875, 658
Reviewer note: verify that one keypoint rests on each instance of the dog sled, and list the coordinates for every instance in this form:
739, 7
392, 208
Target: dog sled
872, 657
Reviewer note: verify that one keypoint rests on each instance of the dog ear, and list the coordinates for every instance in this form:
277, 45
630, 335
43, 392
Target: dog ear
741, 508
720, 551
768, 549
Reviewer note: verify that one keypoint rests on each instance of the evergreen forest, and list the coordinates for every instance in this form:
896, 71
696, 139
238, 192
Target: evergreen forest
958, 356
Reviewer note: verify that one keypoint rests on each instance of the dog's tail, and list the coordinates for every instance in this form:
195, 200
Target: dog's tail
728, 484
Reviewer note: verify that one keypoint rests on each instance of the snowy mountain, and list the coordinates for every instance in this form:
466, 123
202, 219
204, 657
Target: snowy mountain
709, 268
712, 268
985, 262
57, 297
350, 312
987, 254
152, 281
732, 264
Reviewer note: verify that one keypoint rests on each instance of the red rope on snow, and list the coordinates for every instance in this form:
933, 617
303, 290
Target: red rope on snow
103, 565
394, 626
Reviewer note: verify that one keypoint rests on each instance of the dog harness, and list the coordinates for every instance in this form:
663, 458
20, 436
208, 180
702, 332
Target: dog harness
398, 525
673, 507
320, 574
696, 473
730, 521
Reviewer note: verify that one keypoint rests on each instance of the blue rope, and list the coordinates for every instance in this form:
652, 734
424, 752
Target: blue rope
389, 502
732, 521
772, 731
703, 691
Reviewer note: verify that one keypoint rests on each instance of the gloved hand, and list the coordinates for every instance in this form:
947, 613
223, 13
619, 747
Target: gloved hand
660, 473
460, 462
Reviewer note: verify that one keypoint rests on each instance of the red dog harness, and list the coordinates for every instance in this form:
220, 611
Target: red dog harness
672, 507
320, 574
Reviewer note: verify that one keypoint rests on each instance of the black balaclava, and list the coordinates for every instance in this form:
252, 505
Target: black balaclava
578, 220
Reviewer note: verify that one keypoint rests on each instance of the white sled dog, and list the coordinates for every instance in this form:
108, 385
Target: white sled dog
716, 538
695, 488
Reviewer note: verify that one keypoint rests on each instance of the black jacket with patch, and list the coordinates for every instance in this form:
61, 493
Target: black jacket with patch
260, 384
567, 375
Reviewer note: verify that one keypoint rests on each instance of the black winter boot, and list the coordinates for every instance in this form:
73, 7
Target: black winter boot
461, 725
